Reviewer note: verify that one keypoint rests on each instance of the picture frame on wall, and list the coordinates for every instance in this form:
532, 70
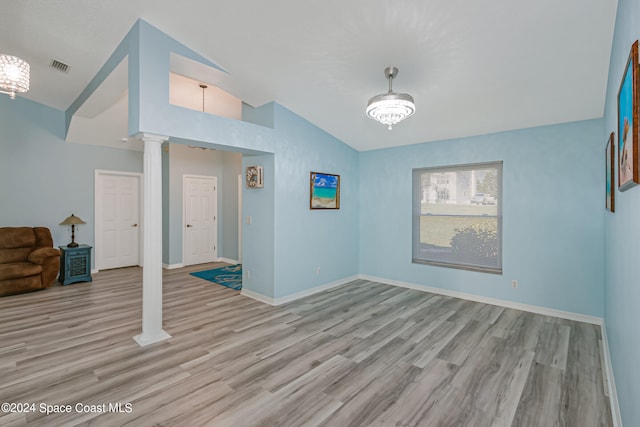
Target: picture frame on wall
255, 177
324, 191
610, 155
628, 123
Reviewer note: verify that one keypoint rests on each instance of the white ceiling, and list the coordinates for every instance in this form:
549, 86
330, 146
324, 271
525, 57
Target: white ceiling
473, 67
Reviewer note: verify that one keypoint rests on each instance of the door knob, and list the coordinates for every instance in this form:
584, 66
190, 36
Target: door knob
189, 225
134, 225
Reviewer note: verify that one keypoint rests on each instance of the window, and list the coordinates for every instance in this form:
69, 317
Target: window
457, 216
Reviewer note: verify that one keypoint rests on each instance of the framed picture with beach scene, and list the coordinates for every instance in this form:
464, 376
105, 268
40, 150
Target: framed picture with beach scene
324, 191
628, 123
610, 154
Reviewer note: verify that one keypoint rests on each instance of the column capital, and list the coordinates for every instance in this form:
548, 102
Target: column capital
144, 136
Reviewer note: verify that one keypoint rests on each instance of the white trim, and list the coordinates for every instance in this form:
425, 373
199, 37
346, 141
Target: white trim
144, 340
462, 295
317, 289
172, 266
488, 300
228, 260
258, 297
297, 295
239, 218
94, 271
153, 136
611, 381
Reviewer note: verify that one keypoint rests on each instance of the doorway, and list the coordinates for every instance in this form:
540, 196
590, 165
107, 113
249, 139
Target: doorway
200, 211
118, 220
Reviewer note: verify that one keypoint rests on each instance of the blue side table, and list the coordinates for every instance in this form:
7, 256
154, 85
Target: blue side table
75, 264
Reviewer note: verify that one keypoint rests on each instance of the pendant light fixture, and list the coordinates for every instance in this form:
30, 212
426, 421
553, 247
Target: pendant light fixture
390, 108
203, 87
14, 75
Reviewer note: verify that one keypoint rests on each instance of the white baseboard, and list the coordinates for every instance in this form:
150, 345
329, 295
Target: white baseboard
611, 381
297, 295
487, 300
172, 266
181, 264
462, 295
308, 292
258, 297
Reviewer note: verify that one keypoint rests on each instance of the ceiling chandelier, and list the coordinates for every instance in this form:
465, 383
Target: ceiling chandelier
14, 75
390, 108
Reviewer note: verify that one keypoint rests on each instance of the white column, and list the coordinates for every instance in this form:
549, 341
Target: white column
152, 243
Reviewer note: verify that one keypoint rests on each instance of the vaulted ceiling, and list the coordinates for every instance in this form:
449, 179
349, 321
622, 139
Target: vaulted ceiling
473, 67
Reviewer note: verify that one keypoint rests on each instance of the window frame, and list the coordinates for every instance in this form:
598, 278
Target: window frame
417, 194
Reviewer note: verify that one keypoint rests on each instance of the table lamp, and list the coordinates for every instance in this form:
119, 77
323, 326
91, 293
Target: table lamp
72, 221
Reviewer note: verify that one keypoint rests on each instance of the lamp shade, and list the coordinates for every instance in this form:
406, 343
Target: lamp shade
391, 107
72, 220
14, 75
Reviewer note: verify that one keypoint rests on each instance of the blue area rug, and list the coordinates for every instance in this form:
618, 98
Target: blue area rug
229, 276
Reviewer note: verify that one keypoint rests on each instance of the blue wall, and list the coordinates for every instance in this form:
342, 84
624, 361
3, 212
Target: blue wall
258, 238
310, 239
44, 179
622, 242
552, 208
228, 205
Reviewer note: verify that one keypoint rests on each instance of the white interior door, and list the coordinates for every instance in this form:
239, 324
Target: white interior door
200, 219
117, 219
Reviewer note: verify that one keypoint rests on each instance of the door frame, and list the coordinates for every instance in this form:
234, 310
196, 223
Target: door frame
97, 226
184, 215
240, 183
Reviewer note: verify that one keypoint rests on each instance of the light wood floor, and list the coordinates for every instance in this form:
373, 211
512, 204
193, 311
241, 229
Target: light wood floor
363, 354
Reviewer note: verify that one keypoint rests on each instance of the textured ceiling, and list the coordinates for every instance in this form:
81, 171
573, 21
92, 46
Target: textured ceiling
473, 67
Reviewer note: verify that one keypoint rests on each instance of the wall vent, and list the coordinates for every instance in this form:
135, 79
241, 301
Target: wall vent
60, 66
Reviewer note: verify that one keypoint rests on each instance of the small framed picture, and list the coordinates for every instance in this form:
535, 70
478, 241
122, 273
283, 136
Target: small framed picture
628, 123
324, 191
610, 168
255, 177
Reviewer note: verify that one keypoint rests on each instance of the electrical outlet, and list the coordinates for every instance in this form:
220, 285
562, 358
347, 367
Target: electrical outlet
514, 284
248, 274
249, 220
317, 271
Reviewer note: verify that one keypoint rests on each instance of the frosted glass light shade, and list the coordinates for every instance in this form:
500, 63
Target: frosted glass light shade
391, 108
14, 75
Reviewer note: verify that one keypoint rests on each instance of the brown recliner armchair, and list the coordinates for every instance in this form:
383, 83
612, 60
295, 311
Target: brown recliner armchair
28, 261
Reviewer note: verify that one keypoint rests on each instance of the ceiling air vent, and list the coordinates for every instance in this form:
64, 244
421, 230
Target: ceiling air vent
60, 66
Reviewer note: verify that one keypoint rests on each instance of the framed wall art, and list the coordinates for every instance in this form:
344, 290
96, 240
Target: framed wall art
324, 191
255, 177
628, 123
610, 155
